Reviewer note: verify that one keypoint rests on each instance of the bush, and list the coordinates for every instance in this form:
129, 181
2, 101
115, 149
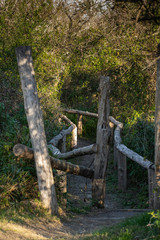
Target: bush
138, 135
18, 180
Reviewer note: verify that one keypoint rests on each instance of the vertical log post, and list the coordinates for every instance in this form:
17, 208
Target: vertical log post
122, 171
112, 132
102, 140
157, 138
74, 138
36, 128
151, 176
79, 124
62, 175
115, 156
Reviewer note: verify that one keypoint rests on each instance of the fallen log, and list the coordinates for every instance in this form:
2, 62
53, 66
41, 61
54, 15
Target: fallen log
23, 151
76, 152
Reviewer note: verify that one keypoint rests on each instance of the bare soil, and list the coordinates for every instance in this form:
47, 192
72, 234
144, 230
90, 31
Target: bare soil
83, 220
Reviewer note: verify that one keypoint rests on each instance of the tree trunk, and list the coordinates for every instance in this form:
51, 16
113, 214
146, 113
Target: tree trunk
36, 128
103, 134
157, 138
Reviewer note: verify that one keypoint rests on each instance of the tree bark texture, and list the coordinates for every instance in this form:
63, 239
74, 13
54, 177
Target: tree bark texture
75, 152
79, 124
74, 111
36, 128
61, 135
62, 176
135, 156
102, 140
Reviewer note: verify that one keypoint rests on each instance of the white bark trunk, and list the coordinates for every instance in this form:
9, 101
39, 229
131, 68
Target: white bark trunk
36, 128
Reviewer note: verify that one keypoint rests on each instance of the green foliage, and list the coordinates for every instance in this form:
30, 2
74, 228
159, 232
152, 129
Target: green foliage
135, 197
138, 135
73, 46
18, 179
25, 210
89, 127
138, 227
155, 216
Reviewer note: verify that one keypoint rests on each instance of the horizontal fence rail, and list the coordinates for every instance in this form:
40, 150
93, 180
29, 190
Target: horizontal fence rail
121, 152
57, 146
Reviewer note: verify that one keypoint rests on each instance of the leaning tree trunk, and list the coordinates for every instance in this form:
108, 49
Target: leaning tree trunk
36, 128
103, 135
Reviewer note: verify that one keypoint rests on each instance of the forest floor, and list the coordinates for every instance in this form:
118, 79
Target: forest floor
80, 218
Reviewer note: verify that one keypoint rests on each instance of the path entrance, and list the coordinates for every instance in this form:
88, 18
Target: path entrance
80, 197
84, 220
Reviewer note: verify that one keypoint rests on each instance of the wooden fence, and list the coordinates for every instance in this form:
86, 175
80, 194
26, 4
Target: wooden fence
121, 152
57, 146
107, 128
112, 130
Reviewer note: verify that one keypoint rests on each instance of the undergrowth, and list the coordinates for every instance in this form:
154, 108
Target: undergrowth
138, 135
141, 227
18, 180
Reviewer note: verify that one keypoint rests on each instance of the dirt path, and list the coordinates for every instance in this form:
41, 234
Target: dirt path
79, 202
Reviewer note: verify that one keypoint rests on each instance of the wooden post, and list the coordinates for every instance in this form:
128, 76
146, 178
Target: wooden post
115, 156
74, 138
157, 138
122, 171
102, 140
62, 175
112, 132
151, 176
36, 128
79, 124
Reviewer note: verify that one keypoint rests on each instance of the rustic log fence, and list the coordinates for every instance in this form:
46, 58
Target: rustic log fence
108, 131
121, 153
57, 145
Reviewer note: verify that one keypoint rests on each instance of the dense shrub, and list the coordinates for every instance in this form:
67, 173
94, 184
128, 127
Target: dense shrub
138, 135
18, 180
